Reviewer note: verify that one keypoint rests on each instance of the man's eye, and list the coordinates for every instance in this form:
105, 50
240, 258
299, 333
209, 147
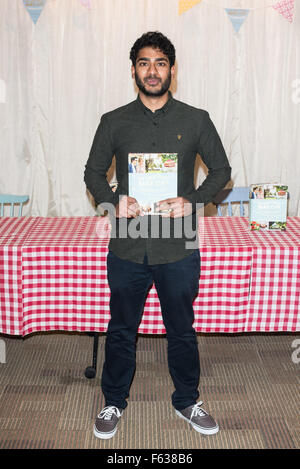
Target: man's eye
143, 64
161, 64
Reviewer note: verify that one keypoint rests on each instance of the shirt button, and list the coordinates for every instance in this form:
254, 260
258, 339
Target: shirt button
153, 144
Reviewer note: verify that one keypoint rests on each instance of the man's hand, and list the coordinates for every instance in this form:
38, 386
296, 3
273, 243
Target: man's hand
177, 206
128, 207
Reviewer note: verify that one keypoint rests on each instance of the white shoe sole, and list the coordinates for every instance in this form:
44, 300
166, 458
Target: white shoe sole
104, 436
204, 431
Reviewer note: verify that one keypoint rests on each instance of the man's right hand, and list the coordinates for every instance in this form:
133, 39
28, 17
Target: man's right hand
128, 207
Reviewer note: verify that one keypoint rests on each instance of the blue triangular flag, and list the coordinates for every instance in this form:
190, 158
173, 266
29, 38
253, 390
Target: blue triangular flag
237, 17
34, 8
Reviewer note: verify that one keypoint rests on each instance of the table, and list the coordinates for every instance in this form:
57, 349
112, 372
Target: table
53, 277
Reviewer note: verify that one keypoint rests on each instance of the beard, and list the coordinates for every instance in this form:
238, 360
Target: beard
165, 85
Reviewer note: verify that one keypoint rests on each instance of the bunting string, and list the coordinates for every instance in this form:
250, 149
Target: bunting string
237, 16
208, 2
35, 7
284, 7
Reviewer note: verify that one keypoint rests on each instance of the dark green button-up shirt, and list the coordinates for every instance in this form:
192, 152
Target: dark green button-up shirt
175, 128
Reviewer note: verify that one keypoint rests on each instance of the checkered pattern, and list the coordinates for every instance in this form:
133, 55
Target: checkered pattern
13, 233
221, 305
10, 290
64, 275
223, 232
54, 277
275, 286
226, 255
274, 303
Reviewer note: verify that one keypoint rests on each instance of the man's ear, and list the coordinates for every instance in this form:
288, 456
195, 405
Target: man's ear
132, 71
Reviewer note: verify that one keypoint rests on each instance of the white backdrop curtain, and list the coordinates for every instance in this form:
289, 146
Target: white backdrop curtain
59, 76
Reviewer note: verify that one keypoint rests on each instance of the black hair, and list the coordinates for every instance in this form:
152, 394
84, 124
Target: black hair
156, 40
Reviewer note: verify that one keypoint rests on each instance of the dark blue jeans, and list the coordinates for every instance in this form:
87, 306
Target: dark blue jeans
177, 286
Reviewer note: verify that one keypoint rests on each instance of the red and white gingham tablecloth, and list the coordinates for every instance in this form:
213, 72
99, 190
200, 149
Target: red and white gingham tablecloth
53, 277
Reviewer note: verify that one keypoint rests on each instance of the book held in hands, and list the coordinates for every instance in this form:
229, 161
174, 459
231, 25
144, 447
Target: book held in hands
152, 177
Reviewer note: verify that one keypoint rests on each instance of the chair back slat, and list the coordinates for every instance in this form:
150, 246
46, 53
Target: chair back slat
12, 200
229, 196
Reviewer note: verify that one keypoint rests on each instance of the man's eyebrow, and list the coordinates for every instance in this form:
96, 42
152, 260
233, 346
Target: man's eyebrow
147, 59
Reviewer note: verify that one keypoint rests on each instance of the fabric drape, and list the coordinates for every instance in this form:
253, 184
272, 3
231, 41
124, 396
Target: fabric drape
62, 73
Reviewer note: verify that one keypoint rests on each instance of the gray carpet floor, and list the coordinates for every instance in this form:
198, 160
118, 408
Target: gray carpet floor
250, 383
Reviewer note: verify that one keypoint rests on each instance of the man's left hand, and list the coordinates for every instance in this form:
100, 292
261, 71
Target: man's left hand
177, 206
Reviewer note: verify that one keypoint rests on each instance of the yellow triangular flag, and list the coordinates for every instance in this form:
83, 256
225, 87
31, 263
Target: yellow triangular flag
185, 5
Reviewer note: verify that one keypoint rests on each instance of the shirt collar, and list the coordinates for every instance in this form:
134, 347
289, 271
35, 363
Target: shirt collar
163, 109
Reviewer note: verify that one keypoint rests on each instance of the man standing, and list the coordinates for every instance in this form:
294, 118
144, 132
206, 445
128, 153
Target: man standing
154, 123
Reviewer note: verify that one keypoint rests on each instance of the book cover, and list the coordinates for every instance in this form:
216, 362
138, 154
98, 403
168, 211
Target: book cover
152, 177
268, 206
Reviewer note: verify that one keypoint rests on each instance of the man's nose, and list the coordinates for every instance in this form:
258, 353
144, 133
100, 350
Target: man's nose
152, 67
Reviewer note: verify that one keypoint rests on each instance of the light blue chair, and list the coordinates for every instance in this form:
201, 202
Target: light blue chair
228, 196
12, 200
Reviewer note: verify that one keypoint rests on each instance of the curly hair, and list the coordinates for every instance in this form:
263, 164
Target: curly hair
156, 40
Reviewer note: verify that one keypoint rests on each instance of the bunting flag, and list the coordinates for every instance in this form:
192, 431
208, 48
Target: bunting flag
237, 17
285, 8
86, 3
34, 8
185, 5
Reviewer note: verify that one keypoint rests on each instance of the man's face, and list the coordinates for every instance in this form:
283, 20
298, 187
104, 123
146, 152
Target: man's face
152, 72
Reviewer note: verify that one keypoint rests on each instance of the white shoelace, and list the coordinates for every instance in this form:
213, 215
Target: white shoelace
198, 411
107, 412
